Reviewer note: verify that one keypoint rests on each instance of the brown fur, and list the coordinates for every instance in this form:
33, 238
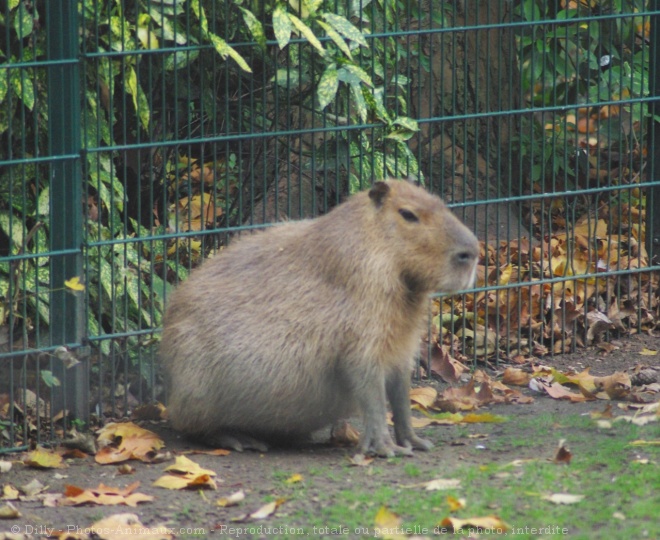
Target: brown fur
296, 327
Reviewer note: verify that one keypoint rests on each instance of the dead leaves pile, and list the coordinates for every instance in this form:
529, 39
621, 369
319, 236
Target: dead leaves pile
118, 443
526, 315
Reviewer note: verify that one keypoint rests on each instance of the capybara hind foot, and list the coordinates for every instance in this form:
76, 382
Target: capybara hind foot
238, 442
413, 441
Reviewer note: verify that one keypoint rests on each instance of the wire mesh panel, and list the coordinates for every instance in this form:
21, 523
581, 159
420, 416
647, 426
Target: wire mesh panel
202, 119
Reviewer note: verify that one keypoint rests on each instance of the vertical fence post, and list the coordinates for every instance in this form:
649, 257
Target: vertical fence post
653, 194
64, 110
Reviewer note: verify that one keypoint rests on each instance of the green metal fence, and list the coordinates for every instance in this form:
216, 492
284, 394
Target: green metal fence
137, 137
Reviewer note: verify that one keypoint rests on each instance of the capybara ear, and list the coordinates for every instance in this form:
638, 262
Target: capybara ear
378, 193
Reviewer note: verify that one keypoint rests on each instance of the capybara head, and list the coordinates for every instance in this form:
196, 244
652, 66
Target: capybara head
436, 252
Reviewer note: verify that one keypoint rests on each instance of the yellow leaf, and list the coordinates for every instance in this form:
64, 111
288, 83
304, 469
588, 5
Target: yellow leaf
484, 417
386, 525
183, 465
487, 522
648, 352
505, 275
455, 504
74, 284
185, 473
10, 493
103, 495
232, 500
44, 459
294, 479
424, 396
263, 512
125, 526
124, 441
9, 511
641, 442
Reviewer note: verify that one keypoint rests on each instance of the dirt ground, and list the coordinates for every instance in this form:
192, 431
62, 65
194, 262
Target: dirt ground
261, 475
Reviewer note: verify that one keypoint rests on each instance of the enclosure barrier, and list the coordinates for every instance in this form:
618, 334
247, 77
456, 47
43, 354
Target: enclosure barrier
138, 139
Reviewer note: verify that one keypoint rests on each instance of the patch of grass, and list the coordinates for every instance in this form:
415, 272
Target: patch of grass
412, 470
510, 479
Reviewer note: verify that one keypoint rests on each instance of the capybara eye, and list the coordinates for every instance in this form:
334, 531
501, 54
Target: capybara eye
465, 257
408, 215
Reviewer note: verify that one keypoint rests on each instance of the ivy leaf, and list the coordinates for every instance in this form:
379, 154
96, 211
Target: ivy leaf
281, 26
255, 27
307, 32
327, 87
345, 28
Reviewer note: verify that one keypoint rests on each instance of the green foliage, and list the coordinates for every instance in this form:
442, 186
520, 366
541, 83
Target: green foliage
130, 49
575, 55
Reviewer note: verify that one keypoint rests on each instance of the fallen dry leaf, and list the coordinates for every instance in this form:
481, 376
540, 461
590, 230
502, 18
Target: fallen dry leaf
483, 418
360, 460
480, 523
616, 386
41, 458
557, 391
563, 498
344, 434
231, 500
9, 493
185, 473
124, 441
438, 484
214, 452
423, 396
123, 526
265, 511
125, 469
515, 376
150, 411
294, 479
562, 454
605, 413
642, 442
445, 366
103, 495
9, 511
455, 504
386, 525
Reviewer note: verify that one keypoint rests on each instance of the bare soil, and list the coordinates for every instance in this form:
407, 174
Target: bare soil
325, 468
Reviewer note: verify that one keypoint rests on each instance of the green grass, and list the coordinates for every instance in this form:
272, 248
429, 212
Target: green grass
619, 494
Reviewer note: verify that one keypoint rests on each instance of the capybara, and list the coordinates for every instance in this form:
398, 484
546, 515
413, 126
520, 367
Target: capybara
294, 328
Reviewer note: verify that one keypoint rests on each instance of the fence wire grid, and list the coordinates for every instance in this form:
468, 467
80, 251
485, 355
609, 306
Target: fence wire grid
136, 138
